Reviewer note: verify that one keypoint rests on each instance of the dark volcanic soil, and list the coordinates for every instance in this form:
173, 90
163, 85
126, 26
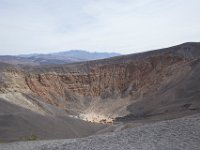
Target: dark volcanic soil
19, 124
178, 134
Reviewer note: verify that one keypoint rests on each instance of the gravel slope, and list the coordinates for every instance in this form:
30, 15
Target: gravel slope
17, 124
178, 134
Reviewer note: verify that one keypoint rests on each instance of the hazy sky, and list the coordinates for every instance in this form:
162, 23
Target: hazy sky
125, 26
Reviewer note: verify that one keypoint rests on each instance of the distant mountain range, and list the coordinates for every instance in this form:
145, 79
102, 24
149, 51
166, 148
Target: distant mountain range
56, 58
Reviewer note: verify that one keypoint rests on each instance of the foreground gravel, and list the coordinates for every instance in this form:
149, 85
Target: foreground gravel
179, 134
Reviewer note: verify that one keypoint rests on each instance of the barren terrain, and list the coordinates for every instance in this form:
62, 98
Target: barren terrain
101, 96
178, 134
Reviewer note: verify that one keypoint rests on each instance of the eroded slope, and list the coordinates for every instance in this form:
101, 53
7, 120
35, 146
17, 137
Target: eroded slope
140, 88
124, 84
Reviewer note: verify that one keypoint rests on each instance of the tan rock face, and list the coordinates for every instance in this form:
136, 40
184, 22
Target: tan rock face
13, 81
122, 78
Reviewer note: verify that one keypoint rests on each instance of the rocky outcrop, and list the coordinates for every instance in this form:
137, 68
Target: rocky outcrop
104, 80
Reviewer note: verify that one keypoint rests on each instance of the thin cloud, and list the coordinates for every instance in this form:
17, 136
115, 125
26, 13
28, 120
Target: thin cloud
42, 26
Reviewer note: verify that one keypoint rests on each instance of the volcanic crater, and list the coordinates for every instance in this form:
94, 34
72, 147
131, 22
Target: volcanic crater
98, 96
